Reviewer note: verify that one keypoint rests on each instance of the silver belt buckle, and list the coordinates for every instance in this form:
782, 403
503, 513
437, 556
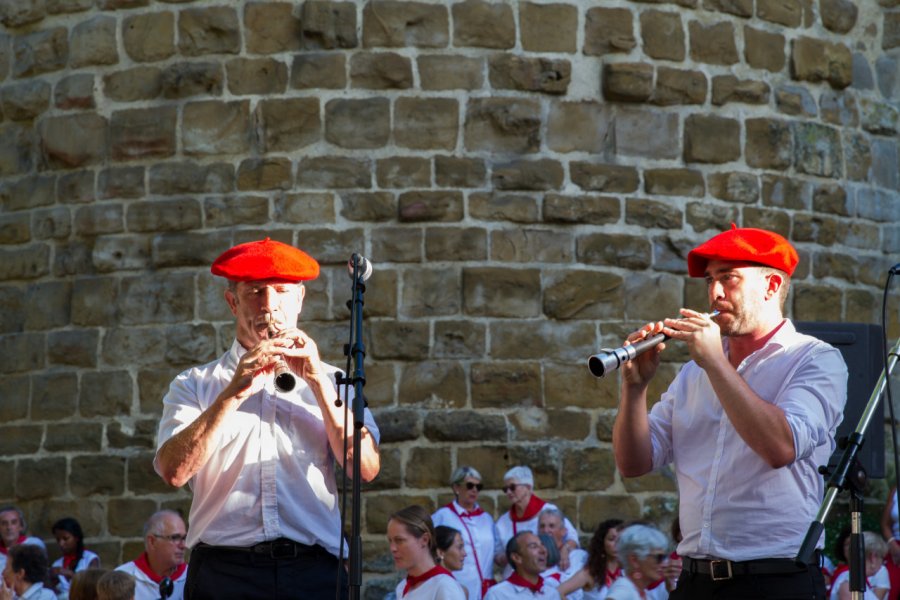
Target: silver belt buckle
720, 570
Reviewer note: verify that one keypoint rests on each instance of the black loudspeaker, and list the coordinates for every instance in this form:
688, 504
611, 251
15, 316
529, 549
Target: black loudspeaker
860, 345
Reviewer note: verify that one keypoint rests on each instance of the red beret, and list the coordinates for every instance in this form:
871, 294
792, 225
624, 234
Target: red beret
747, 244
265, 259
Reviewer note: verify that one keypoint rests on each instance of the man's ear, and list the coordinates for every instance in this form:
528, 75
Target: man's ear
774, 283
231, 299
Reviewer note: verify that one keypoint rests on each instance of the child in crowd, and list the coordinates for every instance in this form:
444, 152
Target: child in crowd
116, 585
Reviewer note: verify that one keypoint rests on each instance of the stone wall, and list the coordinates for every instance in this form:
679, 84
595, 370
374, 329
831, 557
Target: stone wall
526, 176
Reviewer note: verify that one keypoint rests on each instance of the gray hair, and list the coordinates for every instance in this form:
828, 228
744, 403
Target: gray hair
157, 518
18, 511
553, 512
639, 540
521, 474
462, 472
875, 544
552, 550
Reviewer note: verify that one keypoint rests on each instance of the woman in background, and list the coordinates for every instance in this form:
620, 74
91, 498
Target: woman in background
75, 558
602, 567
413, 546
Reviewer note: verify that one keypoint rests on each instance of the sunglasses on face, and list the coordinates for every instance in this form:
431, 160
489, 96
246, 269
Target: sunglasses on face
510, 488
471, 485
659, 557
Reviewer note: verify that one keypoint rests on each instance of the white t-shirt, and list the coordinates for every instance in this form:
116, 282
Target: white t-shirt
147, 589
509, 591
439, 587
87, 557
880, 579
623, 589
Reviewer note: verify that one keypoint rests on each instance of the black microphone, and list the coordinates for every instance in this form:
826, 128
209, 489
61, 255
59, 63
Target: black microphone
363, 265
895, 270
609, 359
166, 588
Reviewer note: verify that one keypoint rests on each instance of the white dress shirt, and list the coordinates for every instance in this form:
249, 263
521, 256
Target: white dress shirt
478, 530
439, 587
732, 504
272, 473
509, 591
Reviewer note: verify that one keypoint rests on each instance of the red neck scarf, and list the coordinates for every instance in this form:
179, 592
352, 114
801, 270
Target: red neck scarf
70, 561
462, 513
414, 580
535, 505
613, 575
143, 564
5, 550
520, 581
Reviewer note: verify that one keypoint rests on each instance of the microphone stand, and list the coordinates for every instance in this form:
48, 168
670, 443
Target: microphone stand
356, 351
839, 480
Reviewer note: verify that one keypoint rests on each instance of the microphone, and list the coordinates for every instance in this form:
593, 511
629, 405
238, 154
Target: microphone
364, 267
895, 270
609, 359
166, 588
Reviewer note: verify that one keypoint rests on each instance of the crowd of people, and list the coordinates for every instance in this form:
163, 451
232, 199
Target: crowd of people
157, 573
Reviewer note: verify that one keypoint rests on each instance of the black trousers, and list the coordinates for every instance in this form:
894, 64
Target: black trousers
216, 573
805, 585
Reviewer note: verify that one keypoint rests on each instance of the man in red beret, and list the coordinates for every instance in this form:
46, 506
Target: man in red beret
745, 424
259, 457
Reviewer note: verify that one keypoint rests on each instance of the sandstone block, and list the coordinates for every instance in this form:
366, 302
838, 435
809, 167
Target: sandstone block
740, 188
93, 42
440, 72
363, 123
15, 228
40, 52
243, 210
16, 13
77, 348
264, 174
16, 390
149, 37
212, 127
41, 478
517, 208
539, 175
604, 178
409, 340
455, 244
304, 208
532, 245
768, 144
328, 25
608, 30
501, 292
75, 188
651, 214
503, 125
785, 192
24, 352
143, 133
398, 424
581, 294
817, 60
483, 24
816, 303
674, 182
727, 88
511, 72
459, 339
833, 199
398, 244
380, 71
891, 38
464, 426
334, 172
676, 86
56, 393
795, 100
711, 139
51, 223
368, 206
163, 215
186, 178
884, 164
764, 49
627, 82
430, 206
817, 229
713, 44
141, 435
581, 467
210, 30
94, 301
73, 141
579, 126
187, 250
784, 12
403, 172
838, 16
17, 143
318, 70
705, 216
839, 109
426, 123
570, 386
83, 437
288, 124
29, 192
114, 253
548, 27
817, 150
505, 385
271, 27
877, 205
662, 35
193, 79
596, 210
459, 172
879, 118
431, 293
24, 262
75, 92
740, 8
565, 341
50, 304
156, 299
99, 219
105, 394
188, 344
139, 83
25, 101
256, 76
141, 478
399, 24
72, 258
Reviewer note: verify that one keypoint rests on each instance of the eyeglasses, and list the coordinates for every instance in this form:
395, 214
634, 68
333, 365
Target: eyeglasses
659, 557
471, 485
510, 488
175, 538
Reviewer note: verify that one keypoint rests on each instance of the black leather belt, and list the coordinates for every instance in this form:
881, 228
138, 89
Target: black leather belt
720, 570
275, 549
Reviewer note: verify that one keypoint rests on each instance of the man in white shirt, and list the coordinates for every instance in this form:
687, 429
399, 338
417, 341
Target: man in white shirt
260, 457
161, 566
12, 532
528, 557
551, 522
746, 424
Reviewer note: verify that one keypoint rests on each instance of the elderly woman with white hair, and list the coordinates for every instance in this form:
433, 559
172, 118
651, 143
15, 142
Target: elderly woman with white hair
477, 529
642, 551
523, 514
